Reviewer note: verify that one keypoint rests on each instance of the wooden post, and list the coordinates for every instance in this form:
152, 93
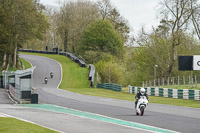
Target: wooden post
192, 80
189, 81
168, 81
178, 81
158, 82
196, 80
184, 80
173, 80
163, 81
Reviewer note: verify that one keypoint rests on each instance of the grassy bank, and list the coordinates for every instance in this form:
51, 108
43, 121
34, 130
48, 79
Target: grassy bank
79, 84
25, 63
73, 75
12, 125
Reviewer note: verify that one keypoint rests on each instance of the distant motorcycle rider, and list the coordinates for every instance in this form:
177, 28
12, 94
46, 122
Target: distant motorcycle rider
46, 80
142, 92
51, 74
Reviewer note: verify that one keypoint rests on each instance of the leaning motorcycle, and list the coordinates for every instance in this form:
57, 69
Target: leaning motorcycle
141, 105
45, 80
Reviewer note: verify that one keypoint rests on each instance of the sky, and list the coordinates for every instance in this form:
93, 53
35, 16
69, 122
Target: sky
139, 13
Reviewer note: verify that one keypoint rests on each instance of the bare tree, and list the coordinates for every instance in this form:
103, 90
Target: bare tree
109, 12
105, 8
177, 14
195, 9
73, 18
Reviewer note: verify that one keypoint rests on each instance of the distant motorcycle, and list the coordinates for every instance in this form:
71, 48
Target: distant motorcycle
51, 75
141, 105
45, 80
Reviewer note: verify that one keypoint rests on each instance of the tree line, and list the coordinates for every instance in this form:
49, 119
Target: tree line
99, 34
20, 21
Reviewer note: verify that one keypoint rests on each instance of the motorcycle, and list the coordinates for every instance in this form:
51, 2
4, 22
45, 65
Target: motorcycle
45, 80
141, 105
51, 74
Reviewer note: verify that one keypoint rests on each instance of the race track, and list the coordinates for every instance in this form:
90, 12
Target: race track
180, 119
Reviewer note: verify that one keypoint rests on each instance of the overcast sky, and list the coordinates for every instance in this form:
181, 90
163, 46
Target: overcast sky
138, 12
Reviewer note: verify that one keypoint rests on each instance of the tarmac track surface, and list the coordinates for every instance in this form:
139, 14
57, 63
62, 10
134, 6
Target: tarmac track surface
180, 119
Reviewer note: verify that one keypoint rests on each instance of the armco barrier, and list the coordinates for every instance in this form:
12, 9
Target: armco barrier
171, 93
114, 87
69, 55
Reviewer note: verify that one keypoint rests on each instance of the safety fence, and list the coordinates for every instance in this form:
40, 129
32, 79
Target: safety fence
114, 87
191, 80
166, 92
69, 55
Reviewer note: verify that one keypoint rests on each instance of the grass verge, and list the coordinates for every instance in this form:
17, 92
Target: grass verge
73, 75
25, 63
73, 71
12, 125
195, 87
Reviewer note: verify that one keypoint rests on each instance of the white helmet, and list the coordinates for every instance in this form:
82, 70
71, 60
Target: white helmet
142, 91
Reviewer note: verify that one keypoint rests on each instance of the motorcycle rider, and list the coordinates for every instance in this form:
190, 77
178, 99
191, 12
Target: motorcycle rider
45, 80
142, 92
51, 74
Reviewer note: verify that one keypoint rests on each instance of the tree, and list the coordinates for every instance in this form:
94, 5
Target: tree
195, 9
73, 18
102, 37
3, 36
24, 21
176, 13
109, 12
155, 50
109, 72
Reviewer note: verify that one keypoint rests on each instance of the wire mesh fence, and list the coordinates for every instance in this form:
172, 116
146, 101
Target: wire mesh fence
179, 80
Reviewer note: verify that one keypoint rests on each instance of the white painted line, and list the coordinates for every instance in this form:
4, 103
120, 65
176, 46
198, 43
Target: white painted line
60, 74
3, 115
32, 122
28, 62
106, 117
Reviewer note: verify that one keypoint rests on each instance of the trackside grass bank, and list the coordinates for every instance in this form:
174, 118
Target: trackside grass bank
73, 75
25, 63
12, 125
80, 84
183, 87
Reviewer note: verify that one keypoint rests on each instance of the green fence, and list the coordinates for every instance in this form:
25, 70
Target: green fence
113, 87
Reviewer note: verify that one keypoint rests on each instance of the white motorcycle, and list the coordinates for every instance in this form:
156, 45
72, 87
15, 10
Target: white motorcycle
141, 105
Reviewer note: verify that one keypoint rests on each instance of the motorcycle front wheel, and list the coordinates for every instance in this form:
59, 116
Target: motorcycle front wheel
142, 110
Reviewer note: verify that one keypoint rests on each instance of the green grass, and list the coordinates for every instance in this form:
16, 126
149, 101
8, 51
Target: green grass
20, 67
73, 75
25, 63
12, 125
79, 75
183, 87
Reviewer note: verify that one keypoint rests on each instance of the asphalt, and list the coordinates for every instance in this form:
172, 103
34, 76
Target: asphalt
4, 97
181, 119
